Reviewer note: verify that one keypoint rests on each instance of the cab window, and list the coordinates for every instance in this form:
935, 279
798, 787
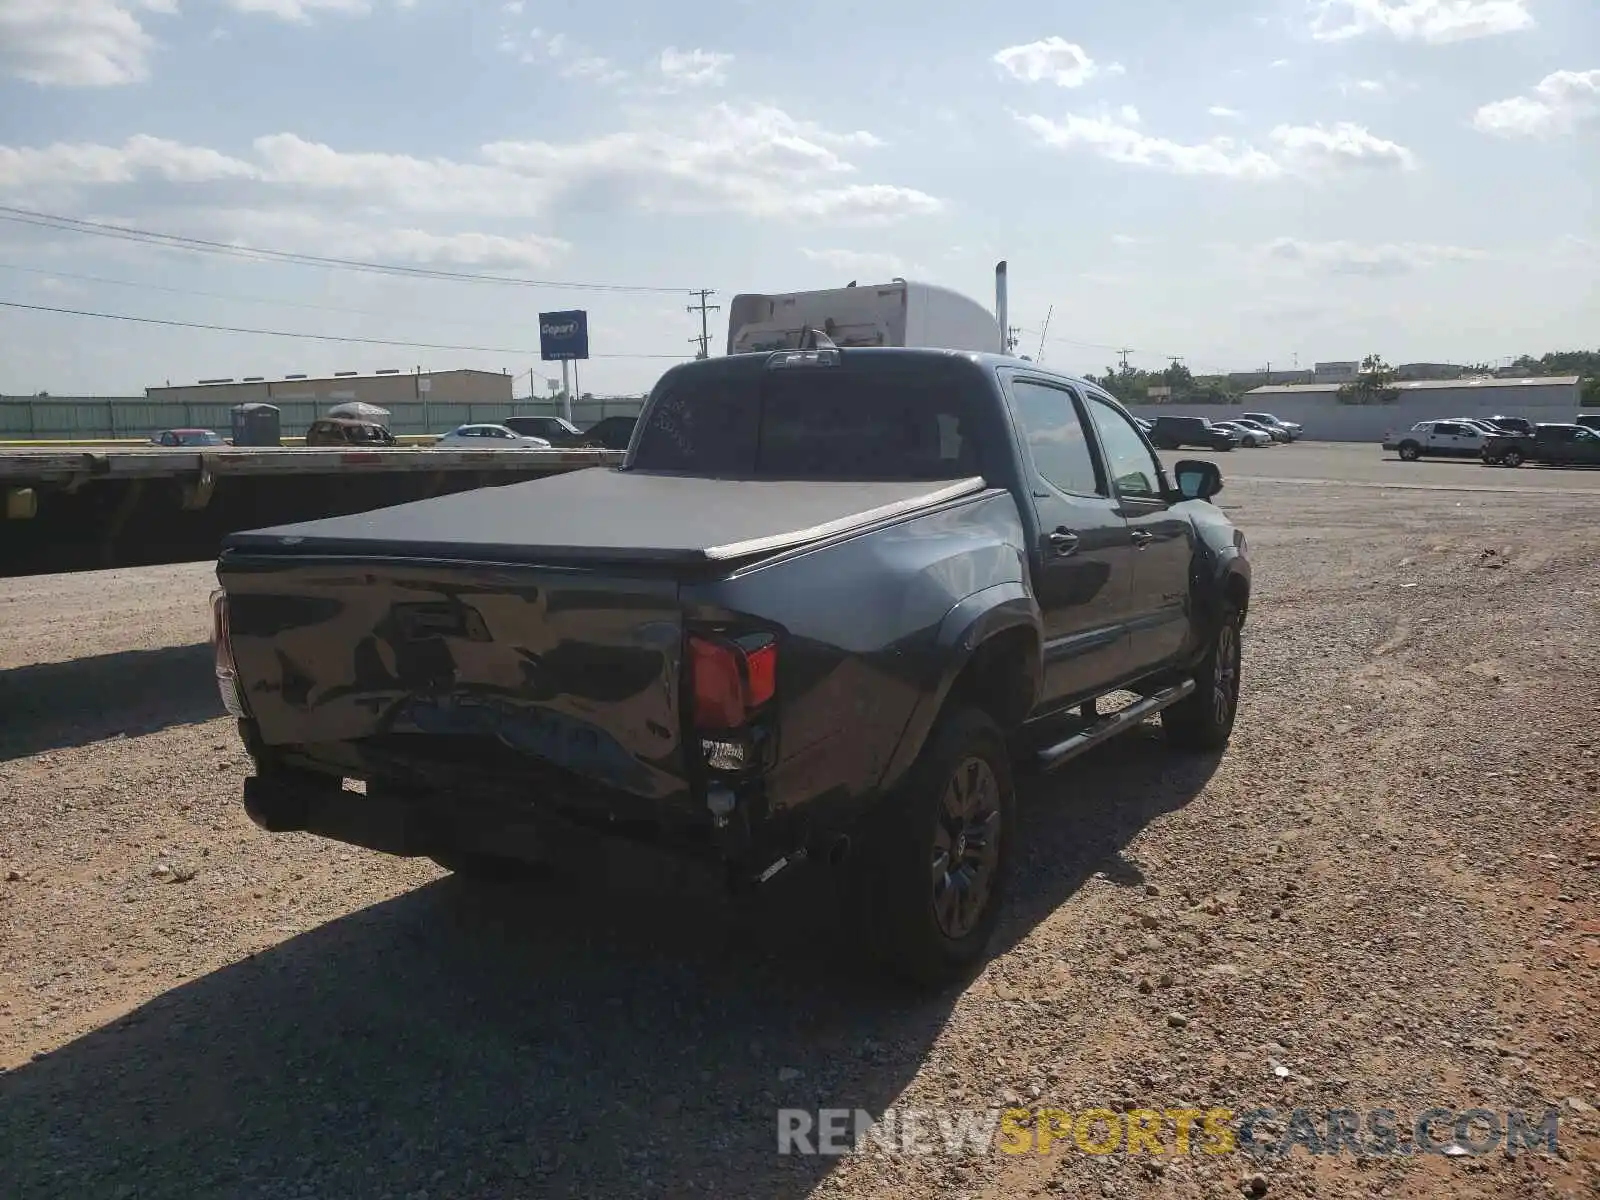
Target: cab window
1134, 471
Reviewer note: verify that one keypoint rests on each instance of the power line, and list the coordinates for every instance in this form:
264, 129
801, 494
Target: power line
268, 300
316, 337
173, 241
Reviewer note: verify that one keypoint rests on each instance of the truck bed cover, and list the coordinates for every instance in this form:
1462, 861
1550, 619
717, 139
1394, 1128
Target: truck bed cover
604, 514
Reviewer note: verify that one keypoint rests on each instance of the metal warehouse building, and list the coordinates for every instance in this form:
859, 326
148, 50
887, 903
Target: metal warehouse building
383, 388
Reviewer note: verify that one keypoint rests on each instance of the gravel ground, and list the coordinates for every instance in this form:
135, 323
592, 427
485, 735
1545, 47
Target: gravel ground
1382, 895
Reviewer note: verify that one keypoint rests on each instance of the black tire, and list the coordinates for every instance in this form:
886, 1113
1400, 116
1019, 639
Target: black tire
1410, 451
957, 801
1203, 721
1512, 458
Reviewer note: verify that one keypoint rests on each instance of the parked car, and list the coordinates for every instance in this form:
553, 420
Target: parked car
188, 437
1480, 424
1147, 427
795, 630
554, 431
1276, 432
1249, 435
489, 437
1512, 424
611, 433
1174, 433
1450, 439
1554, 444
348, 431
1292, 429
1588, 421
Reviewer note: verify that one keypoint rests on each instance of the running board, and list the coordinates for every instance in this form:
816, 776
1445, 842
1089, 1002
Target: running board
1108, 727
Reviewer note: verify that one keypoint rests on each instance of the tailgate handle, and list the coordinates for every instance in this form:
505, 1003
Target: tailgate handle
420, 621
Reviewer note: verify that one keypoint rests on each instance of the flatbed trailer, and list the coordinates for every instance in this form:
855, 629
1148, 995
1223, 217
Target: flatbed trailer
83, 509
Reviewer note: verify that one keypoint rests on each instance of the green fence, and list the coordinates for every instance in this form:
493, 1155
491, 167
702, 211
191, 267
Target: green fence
93, 418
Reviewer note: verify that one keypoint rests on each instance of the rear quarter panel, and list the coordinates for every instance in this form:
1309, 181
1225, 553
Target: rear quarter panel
862, 620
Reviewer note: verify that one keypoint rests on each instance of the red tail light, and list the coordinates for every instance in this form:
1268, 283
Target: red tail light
729, 681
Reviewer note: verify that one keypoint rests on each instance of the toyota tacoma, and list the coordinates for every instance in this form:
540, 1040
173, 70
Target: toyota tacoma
827, 607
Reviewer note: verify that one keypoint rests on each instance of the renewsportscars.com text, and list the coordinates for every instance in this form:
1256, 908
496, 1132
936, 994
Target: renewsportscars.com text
1376, 1132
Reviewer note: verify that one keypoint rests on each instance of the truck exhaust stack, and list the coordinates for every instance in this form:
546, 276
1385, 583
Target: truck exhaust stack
1000, 314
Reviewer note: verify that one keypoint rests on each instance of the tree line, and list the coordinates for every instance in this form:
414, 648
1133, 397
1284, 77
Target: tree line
1373, 384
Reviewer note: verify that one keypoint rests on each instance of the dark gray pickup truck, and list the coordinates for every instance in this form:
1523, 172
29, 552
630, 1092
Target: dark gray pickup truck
828, 605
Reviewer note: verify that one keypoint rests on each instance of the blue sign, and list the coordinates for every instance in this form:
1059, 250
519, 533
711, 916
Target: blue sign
563, 335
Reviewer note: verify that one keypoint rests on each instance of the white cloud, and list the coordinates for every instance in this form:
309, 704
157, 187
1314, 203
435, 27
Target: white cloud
1435, 21
1119, 139
1222, 111
756, 160
1562, 102
1362, 87
864, 264
299, 11
1127, 239
1054, 60
141, 156
694, 68
1379, 260
397, 180
571, 61
77, 43
753, 160
313, 231
1314, 149
1300, 149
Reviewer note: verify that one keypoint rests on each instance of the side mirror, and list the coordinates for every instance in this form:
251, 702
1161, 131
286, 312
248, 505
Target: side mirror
1198, 479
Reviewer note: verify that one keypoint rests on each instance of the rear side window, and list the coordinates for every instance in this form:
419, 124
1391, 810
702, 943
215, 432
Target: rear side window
1055, 436
818, 423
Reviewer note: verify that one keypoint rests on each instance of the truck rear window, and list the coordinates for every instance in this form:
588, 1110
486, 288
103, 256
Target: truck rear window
819, 423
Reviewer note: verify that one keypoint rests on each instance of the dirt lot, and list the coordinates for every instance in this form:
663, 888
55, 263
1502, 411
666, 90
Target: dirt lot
1382, 896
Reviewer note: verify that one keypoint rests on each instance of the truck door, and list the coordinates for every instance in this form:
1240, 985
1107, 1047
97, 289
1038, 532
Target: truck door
1446, 437
1159, 617
1081, 564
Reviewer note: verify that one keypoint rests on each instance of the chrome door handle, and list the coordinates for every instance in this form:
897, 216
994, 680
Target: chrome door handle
1142, 538
1063, 541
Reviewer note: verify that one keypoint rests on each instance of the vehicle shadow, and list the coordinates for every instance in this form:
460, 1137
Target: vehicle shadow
50, 706
635, 1040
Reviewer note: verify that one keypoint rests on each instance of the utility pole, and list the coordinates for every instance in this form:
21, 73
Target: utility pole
1124, 354
1011, 337
704, 309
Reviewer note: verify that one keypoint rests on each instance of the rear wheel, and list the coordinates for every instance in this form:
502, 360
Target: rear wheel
939, 853
1204, 719
1512, 458
1410, 451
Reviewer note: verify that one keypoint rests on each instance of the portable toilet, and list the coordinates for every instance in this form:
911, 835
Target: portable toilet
256, 425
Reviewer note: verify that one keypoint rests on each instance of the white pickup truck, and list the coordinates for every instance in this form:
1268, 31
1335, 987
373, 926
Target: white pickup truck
1451, 439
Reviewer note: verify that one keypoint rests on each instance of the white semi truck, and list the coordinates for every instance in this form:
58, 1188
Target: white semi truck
898, 313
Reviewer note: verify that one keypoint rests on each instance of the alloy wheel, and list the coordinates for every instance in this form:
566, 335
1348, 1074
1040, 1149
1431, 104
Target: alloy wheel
966, 847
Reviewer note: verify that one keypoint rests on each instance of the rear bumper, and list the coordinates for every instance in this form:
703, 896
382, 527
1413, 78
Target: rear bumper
423, 805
